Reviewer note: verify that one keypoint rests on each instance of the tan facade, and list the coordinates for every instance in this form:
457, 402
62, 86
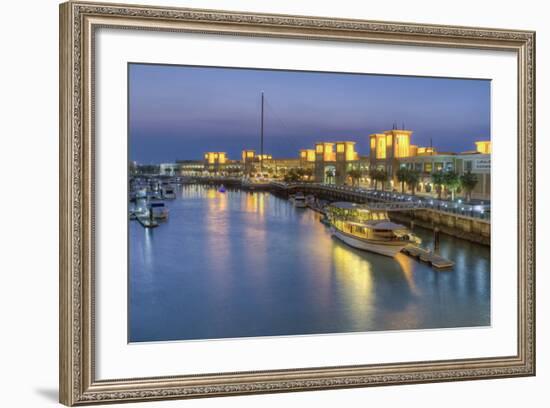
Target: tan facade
333, 161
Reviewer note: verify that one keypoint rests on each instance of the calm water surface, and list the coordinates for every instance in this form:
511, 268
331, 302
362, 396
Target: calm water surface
245, 264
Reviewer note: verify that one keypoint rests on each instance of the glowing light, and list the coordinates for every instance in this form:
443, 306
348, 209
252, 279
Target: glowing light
381, 147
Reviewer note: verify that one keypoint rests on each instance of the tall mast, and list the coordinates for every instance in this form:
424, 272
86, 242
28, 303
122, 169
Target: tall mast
262, 137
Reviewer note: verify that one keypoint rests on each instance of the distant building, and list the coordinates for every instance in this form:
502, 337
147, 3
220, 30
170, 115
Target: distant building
190, 167
169, 169
474, 162
333, 161
388, 148
214, 161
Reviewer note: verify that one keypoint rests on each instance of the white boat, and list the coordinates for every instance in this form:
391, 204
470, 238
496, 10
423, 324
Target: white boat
299, 200
368, 229
141, 193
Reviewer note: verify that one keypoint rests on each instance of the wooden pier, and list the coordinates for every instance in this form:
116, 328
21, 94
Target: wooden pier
429, 257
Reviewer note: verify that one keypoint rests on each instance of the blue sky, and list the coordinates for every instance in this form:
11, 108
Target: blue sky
180, 112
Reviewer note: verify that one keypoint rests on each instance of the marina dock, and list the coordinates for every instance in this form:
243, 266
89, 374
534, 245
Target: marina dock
429, 257
147, 222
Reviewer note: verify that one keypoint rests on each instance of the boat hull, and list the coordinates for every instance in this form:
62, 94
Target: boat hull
383, 249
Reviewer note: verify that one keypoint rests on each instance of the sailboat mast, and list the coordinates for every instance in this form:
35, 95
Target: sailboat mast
262, 138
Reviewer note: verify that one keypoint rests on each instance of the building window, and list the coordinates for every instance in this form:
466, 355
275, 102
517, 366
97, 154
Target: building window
381, 148
428, 167
468, 165
402, 146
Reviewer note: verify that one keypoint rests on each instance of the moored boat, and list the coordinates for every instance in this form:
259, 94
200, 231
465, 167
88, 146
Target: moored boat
299, 200
157, 210
168, 192
368, 229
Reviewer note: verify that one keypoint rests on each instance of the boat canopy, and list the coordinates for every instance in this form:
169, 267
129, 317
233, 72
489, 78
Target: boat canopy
385, 225
378, 225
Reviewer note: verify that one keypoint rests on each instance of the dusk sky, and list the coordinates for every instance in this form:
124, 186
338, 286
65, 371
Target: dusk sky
179, 112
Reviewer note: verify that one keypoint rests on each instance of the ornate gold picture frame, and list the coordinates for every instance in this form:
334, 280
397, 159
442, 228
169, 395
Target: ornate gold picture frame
78, 24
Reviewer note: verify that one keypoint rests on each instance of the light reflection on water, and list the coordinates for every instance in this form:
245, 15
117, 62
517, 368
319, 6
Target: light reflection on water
249, 264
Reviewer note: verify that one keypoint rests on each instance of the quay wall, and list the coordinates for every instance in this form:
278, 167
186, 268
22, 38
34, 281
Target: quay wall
470, 229
456, 225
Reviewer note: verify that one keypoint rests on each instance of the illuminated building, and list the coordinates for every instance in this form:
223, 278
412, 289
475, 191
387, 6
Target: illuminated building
424, 151
483, 146
214, 161
248, 155
333, 161
472, 161
307, 156
387, 148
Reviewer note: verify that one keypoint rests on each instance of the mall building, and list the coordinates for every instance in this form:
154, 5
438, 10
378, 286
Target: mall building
392, 149
331, 163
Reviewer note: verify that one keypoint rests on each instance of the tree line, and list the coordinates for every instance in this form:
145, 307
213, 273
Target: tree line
447, 181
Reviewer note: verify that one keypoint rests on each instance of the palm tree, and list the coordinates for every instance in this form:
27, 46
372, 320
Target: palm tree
330, 174
412, 180
438, 179
355, 175
402, 173
468, 181
378, 176
452, 182
292, 175
308, 172
300, 172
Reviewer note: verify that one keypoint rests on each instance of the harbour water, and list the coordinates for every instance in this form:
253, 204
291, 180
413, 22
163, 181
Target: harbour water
241, 264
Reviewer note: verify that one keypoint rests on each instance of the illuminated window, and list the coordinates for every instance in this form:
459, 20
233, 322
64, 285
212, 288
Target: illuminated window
340, 148
402, 145
388, 140
351, 154
428, 167
329, 154
319, 148
373, 143
381, 148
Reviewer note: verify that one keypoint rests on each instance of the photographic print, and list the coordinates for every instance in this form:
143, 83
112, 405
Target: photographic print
279, 203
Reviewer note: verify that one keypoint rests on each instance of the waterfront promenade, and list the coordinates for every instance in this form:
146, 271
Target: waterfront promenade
478, 210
